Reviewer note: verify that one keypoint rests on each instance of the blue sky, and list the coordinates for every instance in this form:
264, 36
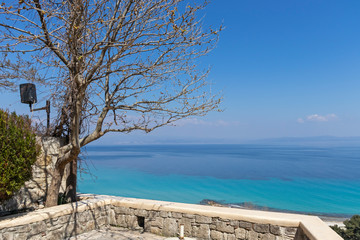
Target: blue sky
286, 69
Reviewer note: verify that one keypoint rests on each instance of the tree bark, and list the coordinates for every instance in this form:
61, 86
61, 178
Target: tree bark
53, 190
58, 173
71, 180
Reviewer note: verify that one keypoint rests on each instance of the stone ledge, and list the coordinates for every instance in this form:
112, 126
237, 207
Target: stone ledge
51, 212
261, 217
316, 229
313, 227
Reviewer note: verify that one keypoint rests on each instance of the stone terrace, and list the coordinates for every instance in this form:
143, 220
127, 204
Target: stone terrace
163, 219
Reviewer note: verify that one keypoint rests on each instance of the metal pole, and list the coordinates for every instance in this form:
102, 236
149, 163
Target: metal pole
48, 116
47, 108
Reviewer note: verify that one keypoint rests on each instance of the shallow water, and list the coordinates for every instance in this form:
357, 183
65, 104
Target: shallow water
306, 179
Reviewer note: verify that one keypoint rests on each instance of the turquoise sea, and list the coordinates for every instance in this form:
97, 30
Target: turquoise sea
319, 180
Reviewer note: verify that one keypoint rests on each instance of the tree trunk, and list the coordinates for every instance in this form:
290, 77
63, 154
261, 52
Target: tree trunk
71, 181
53, 190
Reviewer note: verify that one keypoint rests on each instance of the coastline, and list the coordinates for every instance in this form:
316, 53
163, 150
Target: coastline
329, 218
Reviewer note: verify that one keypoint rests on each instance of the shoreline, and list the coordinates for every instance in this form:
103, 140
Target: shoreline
330, 219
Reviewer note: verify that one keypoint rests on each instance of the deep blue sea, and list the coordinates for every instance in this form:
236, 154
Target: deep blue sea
320, 180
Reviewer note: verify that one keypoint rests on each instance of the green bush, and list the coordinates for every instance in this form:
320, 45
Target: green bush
352, 228
18, 152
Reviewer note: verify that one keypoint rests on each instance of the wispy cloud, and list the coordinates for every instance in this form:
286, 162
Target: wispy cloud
300, 120
317, 118
199, 122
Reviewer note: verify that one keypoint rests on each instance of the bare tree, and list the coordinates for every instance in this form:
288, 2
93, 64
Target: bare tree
13, 71
112, 65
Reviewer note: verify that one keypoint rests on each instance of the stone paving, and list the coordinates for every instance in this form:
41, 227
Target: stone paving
112, 233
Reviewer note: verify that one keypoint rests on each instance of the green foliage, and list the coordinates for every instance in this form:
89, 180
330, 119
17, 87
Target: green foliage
352, 228
339, 231
62, 199
18, 152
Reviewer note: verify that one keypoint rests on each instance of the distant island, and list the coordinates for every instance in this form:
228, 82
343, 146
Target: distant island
326, 217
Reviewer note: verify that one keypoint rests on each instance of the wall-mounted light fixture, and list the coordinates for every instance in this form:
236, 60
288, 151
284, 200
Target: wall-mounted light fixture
28, 96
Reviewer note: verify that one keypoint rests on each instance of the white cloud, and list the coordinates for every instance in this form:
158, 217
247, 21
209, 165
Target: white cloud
317, 118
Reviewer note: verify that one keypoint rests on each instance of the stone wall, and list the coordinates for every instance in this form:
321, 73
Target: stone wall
167, 224
59, 227
162, 223
162, 218
32, 194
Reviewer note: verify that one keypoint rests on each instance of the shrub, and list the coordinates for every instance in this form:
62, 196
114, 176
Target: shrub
18, 152
352, 228
339, 231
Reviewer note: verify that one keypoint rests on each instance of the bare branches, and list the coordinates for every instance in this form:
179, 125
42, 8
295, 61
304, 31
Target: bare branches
112, 65
11, 72
121, 66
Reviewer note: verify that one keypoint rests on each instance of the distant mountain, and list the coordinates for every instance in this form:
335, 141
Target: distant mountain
305, 141
319, 140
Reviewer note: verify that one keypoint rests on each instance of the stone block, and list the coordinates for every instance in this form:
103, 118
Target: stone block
261, 228
275, 230
90, 217
36, 237
89, 226
111, 219
246, 225
157, 222
23, 229
216, 235
121, 221
187, 215
268, 236
102, 210
124, 210
251, 235
131, 222
43, 161
38, 227
56, 227
8, 236
176, 215
30, 185
170, 227
223, 227
155, 230
81, 228
69, 229
165, 214
63, 219
187, 225
54, 235
141, 212
50, 145
240, 233
212, 226
153, 214
203, 219
201, 232
100, 221
229, 236
290, 232
234, 223
20, 235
